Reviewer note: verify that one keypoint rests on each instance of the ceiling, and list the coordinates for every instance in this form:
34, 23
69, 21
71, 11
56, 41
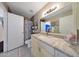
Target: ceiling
27, 9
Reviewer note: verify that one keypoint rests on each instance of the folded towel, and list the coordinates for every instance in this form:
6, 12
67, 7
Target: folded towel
71, 37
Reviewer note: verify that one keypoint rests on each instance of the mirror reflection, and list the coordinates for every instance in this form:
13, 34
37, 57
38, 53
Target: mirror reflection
62, 22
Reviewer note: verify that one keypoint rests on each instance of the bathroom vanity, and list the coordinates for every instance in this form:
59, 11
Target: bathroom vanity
51, 46
63, 21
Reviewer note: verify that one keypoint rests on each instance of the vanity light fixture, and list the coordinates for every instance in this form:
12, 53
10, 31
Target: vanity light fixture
53, 9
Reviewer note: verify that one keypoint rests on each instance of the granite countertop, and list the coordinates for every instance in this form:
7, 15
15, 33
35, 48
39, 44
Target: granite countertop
59, 43
58, 35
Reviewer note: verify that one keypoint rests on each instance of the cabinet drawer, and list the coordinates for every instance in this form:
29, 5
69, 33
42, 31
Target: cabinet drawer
44, 53
60, 54
47, 47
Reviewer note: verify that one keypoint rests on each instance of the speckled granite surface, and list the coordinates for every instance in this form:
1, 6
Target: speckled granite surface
59, 43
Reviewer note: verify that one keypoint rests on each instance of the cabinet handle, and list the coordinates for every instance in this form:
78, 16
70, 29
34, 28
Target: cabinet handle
39, 49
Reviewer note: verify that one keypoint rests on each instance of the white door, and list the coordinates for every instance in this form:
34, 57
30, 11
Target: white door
15, 31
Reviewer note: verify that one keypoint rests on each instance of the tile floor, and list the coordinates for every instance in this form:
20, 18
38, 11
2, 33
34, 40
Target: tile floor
18, 52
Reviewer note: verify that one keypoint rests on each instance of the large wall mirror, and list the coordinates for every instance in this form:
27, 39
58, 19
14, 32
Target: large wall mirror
64, 21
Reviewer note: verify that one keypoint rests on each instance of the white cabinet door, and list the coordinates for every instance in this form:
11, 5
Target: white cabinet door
60, 54
49, 49
15, 31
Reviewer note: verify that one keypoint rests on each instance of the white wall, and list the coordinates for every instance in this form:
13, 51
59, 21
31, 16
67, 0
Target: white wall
4, 14
1, 12
66, 24
27, 28
1, 30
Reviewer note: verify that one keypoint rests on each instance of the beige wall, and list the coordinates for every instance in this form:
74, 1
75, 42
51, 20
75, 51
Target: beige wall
77, 15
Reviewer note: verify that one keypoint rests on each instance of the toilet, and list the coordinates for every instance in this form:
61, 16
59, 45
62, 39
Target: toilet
28, 43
